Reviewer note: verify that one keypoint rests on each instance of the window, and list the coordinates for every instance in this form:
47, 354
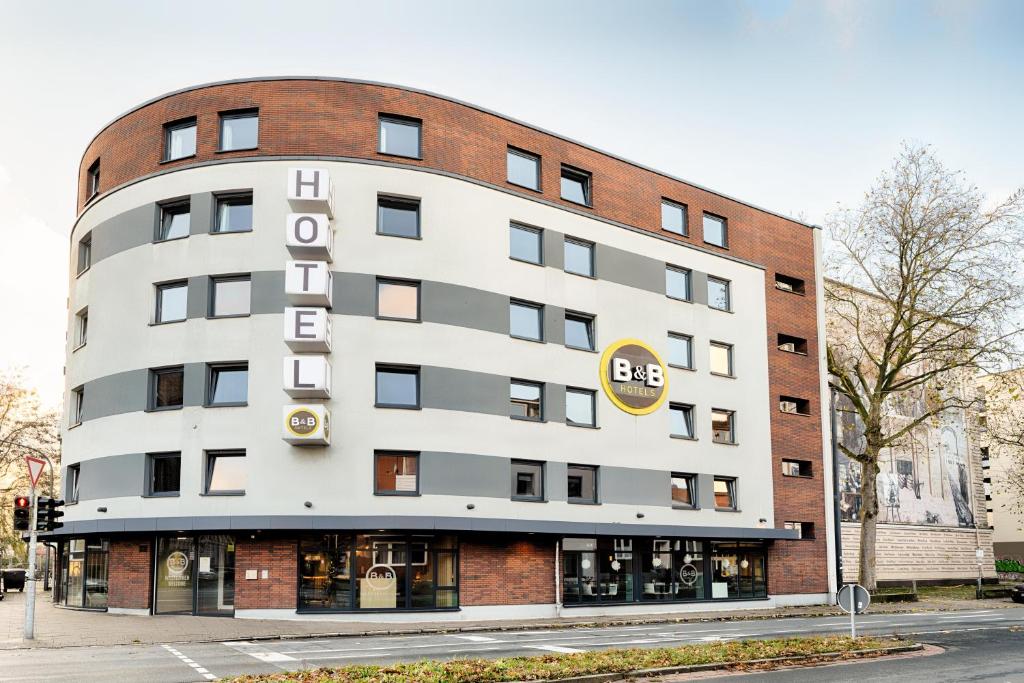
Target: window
718, 294
398, 217
171, 301
725, 493
527, 480
792, 344
677, 283
579, 407
230, 296
789, 284
716, 230
228, 384
680, 350
398, 300
796, 406
684, 490
575, 185
225, 472
396, 474
239, 130
721, 359
179, 139
400, 136
525, 244
796, 468
673, 217
164, 474
526, 400
681, 420
579, 331
234, 213
74, 475
582, 484
397, 387
92, 180
803, 530
82, 327
526, 320
166, 388
523, 168
77, 406
579, 257
84, 253
175, 219
723, 429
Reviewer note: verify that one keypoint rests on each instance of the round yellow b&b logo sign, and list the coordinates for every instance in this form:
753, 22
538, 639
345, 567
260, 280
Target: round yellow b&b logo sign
633, 376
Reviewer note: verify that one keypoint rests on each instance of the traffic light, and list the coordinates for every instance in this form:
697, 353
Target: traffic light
22, 513
49, 513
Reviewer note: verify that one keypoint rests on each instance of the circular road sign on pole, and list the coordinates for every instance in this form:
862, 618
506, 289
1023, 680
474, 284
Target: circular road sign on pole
861, 598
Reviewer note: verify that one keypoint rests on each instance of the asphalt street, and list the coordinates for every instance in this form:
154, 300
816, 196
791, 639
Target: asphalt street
981, 649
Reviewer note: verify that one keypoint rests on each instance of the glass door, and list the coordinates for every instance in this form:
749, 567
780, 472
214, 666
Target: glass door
175, 564
215, 576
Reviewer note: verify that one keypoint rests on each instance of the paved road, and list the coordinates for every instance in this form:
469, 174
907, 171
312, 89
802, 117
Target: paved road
206, 661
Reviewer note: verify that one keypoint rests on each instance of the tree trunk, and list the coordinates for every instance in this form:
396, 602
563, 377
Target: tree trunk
868, 519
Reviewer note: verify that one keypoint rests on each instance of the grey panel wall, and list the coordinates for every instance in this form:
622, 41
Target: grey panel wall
554, 324
706, 491
634, 486
463, 306
198, 296
123, 232
553, 246
203, 208
461, 474
474, 392
112, 476
632, 270
124, 392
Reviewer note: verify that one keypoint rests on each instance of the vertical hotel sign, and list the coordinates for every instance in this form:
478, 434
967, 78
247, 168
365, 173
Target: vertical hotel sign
309, 286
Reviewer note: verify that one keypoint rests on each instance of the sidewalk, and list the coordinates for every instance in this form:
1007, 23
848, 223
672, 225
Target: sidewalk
56, 627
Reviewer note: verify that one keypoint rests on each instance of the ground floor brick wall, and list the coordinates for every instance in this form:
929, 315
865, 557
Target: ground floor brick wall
506, 570
799, 566
129, 573
279, 557
906, 552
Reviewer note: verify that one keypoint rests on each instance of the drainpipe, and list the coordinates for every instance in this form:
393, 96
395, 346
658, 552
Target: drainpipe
558, 601
840, 579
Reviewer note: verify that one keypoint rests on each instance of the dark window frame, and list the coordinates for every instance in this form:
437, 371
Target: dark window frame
685, 408
154, 374
74, 475
593, 407
172, 207
540, 474
689, 351
180, 124
728, 293
729, 357
725, 229
402, 203
84, 257
691, 488
591, 322
250, 112
232, 198
81, 328
151, 463
403, 283
92, 180
802, 406
77, 405
585, 178
211, 302
539, 232
799, 344
805, 530
212, 369
686, 217
540, 401
582, 500
802, 471
733, 490
790, 284
392, 368
209, 461
732, 426
540, 319
591, 248
161, 287
377, 491
510, 150
688, 274
404, 121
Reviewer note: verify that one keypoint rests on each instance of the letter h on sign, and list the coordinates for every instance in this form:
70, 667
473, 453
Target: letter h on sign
311, 189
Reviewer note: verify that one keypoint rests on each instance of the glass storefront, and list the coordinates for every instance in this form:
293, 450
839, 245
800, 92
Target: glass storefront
195, 575
83, 573
617, 570
342, 572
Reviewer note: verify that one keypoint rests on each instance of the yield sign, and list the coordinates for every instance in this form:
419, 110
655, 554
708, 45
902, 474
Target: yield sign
35, 468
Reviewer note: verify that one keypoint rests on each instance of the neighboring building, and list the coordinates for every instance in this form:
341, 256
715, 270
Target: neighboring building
508, 373
931, 519
1002, 429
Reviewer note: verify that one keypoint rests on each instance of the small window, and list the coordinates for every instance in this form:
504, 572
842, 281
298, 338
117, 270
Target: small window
677, 283
84, 253
804, 530
230, 296
526, 400
716, 230
175, 220
526, 244
579, 257
791, 344
725, 493
681, 420
723, 428
523, 168
74, 477
398, 300
225, 472
673, 217
582, 484
575, 185
234, 213
77, 406
166, 388
400, 136
718, 294
93, 180
239, 130
579, 407
796, 406
397, 387
179, 139
789, 284
680, 350
527, 480
171, 302
82, 327
526, 320
228, 384
796, 468
579, 331
721, 359
684, 490
396, 474
398, 217
164, 474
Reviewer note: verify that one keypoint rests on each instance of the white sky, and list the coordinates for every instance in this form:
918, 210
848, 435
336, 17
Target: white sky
794, 106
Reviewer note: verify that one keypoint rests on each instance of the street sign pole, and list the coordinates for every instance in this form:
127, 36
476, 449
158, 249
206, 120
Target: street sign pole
30, 604
853, 612
853, 598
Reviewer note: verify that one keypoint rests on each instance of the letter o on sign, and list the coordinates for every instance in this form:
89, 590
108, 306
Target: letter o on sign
634, 377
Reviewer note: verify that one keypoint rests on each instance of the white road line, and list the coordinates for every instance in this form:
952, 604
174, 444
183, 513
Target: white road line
188, 662
554, 648
259, 652
478, 639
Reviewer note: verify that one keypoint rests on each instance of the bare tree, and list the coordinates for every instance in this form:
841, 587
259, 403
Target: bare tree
1004, 409
934, 292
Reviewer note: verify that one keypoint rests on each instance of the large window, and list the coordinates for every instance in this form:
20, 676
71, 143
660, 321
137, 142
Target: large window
397, 387
398, 300
179, 139
239, 130
718, 294
579, 257
677, 283
684, 490
175, 219
400, 136
526, 400
579, 331
680, 350
234, 213
723, 426
527, 480
716, 230
398, 217
226, 472
523, 168
579, 407
230, 296
598, 570
164, 474
576, 185
673, 217
227, 384
681, 419
738, 571
721, 359
83, 580
195, 575
166, 388
526, 244
526, 320
396, 474
171, 302
725, 493
582, 484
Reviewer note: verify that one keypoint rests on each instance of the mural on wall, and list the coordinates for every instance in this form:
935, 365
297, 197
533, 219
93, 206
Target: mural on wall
924, 480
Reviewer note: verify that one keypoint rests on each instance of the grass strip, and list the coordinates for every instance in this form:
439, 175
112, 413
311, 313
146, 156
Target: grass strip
556, 666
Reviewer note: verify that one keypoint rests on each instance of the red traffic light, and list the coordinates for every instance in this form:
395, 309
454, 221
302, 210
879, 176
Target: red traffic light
22, 502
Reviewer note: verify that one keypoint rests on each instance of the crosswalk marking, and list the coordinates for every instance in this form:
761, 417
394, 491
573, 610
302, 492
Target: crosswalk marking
205, 673
477, 639
555, 648
257, 652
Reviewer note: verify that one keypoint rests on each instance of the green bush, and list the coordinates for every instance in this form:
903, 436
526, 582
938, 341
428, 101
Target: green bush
1009, 566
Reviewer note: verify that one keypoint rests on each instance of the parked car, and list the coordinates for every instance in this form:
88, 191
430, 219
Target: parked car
1017, 593
14, 579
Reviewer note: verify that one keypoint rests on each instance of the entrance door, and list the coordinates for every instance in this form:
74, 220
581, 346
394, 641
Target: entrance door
195, 575
175, 565
215, 577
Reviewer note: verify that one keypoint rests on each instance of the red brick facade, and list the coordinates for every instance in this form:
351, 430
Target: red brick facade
129, 573
506, 570
280, 558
